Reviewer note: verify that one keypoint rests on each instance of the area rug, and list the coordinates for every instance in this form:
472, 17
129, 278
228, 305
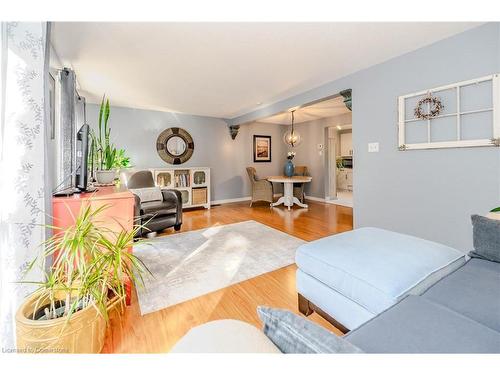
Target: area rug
191, 264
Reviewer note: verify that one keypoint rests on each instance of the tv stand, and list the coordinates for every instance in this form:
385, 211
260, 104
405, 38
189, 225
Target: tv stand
70, 191
64, 193
87, 190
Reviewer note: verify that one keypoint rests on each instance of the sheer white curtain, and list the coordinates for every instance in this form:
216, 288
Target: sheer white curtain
22, 163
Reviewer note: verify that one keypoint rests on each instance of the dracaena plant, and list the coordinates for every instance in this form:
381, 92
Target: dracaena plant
90, 267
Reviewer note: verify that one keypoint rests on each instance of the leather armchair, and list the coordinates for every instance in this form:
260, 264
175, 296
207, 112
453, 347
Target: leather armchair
155, 215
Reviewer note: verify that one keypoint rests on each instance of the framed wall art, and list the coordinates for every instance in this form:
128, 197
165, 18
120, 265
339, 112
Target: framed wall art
262, 148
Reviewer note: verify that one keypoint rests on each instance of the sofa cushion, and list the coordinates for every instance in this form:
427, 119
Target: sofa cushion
418, 325
293, 334
377, 268
486, 235
160, 208
150, 194
473, 290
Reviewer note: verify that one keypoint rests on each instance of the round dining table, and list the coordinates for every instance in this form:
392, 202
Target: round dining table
288, 199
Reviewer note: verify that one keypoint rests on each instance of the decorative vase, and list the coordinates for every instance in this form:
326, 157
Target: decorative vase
289, 168
105, 177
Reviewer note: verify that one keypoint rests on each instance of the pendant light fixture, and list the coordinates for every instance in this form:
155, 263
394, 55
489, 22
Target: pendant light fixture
291, 137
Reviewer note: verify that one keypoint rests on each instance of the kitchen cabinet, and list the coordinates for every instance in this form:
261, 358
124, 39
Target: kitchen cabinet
346, 144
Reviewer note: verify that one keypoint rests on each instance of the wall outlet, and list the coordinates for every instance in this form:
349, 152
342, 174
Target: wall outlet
373, 147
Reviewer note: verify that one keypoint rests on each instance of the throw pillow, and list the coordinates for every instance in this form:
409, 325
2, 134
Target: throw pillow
294, 334
486, 238
150, 194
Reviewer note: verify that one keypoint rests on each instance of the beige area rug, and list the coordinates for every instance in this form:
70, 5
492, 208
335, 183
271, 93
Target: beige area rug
188, 265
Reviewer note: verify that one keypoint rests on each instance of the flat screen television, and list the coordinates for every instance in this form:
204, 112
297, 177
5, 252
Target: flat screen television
82, 150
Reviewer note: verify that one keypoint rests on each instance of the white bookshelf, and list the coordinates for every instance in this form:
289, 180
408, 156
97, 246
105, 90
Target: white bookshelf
193, 183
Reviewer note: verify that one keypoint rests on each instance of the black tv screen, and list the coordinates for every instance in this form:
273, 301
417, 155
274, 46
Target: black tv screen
82, 149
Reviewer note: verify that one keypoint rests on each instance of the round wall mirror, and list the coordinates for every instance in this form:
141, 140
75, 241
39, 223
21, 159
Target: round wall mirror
175, 145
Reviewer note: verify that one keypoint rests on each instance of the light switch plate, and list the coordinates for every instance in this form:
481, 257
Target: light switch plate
373, 147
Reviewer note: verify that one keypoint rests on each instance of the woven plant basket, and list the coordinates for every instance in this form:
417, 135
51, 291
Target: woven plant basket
84, 332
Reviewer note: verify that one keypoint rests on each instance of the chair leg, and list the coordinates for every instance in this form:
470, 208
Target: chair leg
251, 202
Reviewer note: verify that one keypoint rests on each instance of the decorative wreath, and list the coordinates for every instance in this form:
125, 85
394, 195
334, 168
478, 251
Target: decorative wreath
434, 110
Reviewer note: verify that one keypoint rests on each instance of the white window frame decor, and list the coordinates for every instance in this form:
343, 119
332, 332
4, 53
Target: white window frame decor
494, 141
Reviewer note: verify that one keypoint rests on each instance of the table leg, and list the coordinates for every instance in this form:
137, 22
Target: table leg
281, 200
288, 199
299, 203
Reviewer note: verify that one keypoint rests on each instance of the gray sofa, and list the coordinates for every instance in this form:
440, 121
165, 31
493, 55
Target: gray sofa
459, 314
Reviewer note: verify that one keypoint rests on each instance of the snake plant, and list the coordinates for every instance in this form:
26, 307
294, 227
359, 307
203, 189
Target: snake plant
103, 154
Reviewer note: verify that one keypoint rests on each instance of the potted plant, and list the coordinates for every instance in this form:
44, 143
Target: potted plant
494, 213
102, 151
91, 265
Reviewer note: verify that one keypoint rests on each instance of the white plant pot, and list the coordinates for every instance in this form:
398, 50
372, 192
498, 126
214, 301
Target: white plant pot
493, 215
105, 177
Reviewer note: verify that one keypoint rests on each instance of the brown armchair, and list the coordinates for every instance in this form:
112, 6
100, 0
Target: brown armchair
262, 190
298, 188
157, 213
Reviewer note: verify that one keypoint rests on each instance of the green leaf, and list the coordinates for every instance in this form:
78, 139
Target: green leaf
495, 209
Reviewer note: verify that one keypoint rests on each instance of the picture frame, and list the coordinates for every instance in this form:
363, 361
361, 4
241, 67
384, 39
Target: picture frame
261, 148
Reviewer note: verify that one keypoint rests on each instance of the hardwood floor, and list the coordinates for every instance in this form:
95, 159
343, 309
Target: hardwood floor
159, 331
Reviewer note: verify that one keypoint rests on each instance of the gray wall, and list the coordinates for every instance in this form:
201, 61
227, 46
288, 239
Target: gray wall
307, 153
428, 193
136, 131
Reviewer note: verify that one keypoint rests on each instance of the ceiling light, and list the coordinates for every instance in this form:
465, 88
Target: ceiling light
339, 127
291, 137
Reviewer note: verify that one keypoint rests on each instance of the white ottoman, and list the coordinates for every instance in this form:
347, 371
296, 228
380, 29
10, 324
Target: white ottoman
354, 276
225, 336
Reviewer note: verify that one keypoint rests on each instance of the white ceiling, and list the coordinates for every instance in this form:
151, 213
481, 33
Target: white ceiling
326, 108
227, 69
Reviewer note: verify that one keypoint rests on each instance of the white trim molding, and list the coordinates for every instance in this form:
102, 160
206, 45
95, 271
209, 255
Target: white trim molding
230, 200
493, 141
315, 199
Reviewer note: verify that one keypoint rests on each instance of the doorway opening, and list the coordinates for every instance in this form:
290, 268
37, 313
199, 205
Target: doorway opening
340, 165
323, 151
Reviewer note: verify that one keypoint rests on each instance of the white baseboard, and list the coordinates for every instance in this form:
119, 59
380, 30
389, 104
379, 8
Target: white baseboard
315, 198
338, 202
234, 200
230, 200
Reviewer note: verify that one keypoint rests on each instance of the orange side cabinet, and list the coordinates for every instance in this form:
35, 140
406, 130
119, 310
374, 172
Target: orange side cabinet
120, 213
